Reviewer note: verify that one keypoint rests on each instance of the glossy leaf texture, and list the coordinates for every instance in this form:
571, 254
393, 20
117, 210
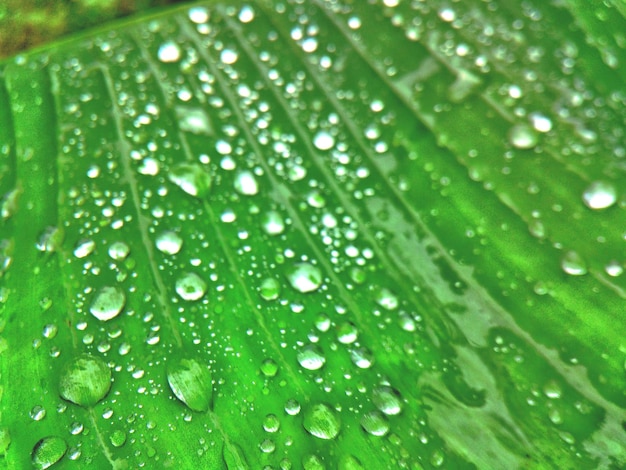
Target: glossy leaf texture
325, 234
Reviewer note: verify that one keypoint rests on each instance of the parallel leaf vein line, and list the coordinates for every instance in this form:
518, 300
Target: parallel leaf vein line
105, 449
125, 149
231, 260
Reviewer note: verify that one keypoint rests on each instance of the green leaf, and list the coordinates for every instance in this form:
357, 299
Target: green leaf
317, 234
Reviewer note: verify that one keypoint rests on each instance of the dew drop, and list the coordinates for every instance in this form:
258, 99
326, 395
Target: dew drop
600, 195
347, 333
270, 289
169, 52
350, 462
246, 15
269, 368
48, 451
191, 178
246, 183
387, 400
273, 223
108, 303
37, 413
191, 383
386, 299
323, 141
119, 251
362, 358
229, 56
573, 264
311, 357
194, 120
305, 277
198, 15
190, 286
50, 239
84, 248
85, 380
271, 423
375, 423
522, 136
292, 407
117, 438
322, 422
169, 242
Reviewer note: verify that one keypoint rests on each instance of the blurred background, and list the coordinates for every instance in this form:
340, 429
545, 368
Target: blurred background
28, 23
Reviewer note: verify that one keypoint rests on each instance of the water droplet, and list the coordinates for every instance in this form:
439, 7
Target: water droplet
305, 277
375, 423
117, 438
614, 268
270, 289
190, 286
48, 451
312, 462
50, 239
85, 380
323, 140
199, 15
246, 15
540, 122
246, 183
273, 223
271, 423
573, 264
191, 178
84, 248
269, 368
5, 440
194, 120
229, 56
386, 299
119, 251
191, 382
387, 400
322, 422
267, 446
349, 462
522, 136
292, 407
347, 333
108, 303
169, 52
362, 358
38, 413
600, 195
311, 357
169, 242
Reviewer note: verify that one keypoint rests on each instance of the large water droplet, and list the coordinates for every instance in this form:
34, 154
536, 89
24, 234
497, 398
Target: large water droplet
387, 400
246, 183
273, 223
85, 380
522, 136
108, 303
119, 251
191, 382
311, 357
194, 120
48, 451
600, 195
305, 277
323, 140
375, 423
191, 178
190, 286
573, 264
322, 422
169, 242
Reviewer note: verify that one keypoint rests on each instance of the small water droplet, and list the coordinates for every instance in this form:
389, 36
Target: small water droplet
573, 264
190, 286
50, 239
386, 299
38, 413
117, 438
270, 289
119, 251
199, 15
169, 242
191, 178
305, 277
387, 400
191, 383
362, 358
107, 303
194, 120
271, 423
600, 195
246, 14
614, 268
246, 183
84, 248
322, 422
522, 136
273, 223
292, 407
229, 56
85, 380
375, 423
169, 52
311, 357
347, 333
48, 451
269, 368
323, 140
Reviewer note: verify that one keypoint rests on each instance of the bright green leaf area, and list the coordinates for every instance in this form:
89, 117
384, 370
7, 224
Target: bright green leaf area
318, 234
